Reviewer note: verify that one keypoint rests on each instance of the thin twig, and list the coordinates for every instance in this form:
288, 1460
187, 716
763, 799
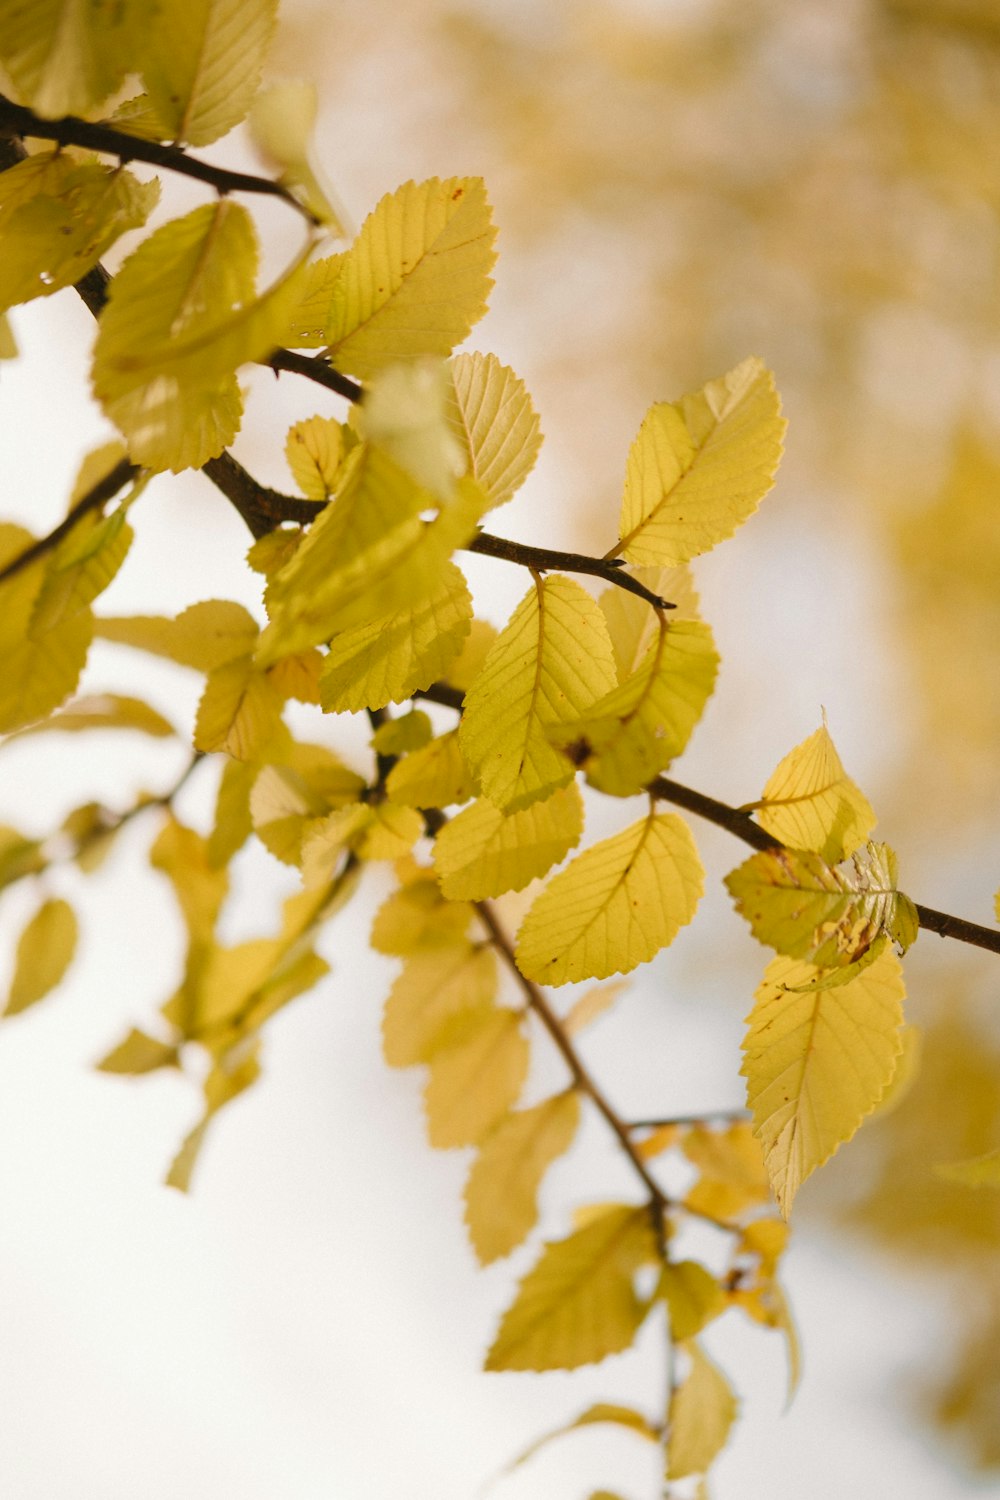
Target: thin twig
314, 368
99, 494
544, 559
16, 119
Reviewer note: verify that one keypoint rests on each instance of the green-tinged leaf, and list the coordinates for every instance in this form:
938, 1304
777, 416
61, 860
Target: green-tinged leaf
307, 321
281, 122
829, 915
393, 656
239, 712
409, 732
978, 1171
702, 1410
700, 466
181, 318
501, 1194
315, 450
603, 1412
492, 416
44, 953
382, 831
138, 1053
434, 987
203, 636
637, 729
58, 215
405, 414
477, 1073
579, 1304
39, 667
816, 1063
484, 852
693, 1297
811, 803
66, 57
732, 1175
106, 711
418, 917
80, 568
434, 776
203, 64
548, 667
415, 280
615, 905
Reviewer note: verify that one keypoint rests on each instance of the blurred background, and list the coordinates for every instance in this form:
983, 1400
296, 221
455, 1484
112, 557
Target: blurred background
677, 185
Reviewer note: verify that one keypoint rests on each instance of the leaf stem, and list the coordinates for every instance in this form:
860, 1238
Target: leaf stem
17, 120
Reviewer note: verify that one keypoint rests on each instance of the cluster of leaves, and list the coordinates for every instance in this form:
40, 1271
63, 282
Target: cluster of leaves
366, 609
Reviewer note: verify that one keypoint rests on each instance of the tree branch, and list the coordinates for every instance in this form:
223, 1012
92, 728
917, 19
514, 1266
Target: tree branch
316, 369
542, 559
99, 494
261, 508
17, 120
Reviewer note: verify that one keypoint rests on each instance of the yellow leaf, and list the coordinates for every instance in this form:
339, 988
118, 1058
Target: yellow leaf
702, 1410
700, 466
618, 1416
907, 1069
476, 647
416, 279
80, 568
44, 953
817, 1062
204, 636
418, 917
181, 317
615, 905
405, 414
65, 57
435, 986
58, 215
297, 676
229, 1077
307, 321
637, 729
239, 712
579, 1303
281, 123
550, 664
106, 711
139, 1053
501, 1194
203, 63
733, 1177
19, 856
375, 832
8, 343
977, 1171
484, 852
393, 656
811, 803
829, 915
477, 1072
693, 1298
232, 826
39, 667
591, 1004
434, 776
289, 800
315, 450
182, 855
633, 626
492, 416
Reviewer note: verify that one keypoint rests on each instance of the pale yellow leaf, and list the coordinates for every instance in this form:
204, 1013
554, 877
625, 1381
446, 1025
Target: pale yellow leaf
405, 414
702, 1410
699, 467
602, 1412
39, 666
592, 1004
579, 1303
615, 905
44, 952
383, 831
492, 416
203, 63
66, 57
547, 667
476, 1075
416, 279
434, 776
811, 803
632, 625
106, 711
501, 1193
239, 712
434, 987
182, 855
483, 852
231, 826
817, 1062
204, 636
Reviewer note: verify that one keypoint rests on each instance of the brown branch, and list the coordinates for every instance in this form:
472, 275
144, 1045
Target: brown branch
314, 368
17, 120
261, 508
99, 494
543, 559
742, 826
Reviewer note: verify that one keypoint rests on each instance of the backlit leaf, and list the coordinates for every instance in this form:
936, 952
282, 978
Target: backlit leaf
39, 667
380, 831
416, 279
476, 1075
44, 953
484, 852
239, 711
732, 1175
58, 215
702, 1410
817, 1062
829, 915
615, 905
417, 917
633, 626
203, 64
579, 1303
315, 450
492, 416
106, 711
232, 825
811, 803
204, 636
434, 776
435, 986
405, 414
550, 664
502, 1189
66, 56
700, 466
82, 566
